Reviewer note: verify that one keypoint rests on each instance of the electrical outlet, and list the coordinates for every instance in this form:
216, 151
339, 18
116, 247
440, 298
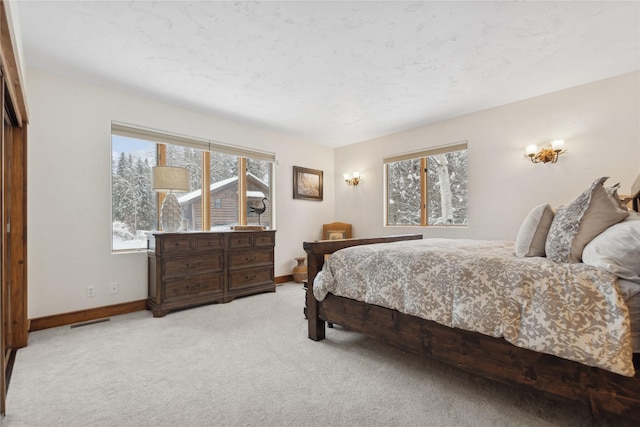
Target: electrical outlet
113, 286
91, 291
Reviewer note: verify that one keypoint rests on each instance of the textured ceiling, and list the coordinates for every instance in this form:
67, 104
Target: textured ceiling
333, 73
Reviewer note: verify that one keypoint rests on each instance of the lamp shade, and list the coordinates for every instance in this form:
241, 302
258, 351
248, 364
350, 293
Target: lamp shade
170, 178
531, 149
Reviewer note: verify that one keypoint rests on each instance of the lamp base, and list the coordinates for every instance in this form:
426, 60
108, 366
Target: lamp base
170, 214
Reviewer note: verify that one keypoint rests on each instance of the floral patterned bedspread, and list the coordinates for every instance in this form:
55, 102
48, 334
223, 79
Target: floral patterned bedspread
573, 311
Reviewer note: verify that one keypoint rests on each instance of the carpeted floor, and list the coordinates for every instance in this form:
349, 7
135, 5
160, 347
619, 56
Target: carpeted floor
250, 363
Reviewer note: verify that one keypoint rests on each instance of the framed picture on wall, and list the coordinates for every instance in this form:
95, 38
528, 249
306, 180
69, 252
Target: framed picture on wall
307, 183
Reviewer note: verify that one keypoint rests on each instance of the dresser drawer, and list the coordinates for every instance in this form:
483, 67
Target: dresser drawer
191, 286
187, 266
209, 242
250, 277
175, 245
250, 259
265, 239
240, 239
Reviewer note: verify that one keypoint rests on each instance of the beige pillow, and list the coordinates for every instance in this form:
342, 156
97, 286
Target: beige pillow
577, 223
615, 198
533, 231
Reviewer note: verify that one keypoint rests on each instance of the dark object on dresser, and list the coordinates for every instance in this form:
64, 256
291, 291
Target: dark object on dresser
189, 269
259, 211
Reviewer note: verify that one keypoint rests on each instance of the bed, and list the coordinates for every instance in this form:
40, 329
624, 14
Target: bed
611, 388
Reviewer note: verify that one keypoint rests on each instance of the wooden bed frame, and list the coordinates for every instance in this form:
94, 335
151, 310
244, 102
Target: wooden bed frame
611, 397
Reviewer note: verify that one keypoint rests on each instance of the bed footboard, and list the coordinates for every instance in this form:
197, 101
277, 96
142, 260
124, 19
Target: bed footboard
316, 252
613, 399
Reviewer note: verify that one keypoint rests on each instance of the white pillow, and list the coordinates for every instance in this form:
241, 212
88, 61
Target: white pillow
617, 250
633, 216
533, 231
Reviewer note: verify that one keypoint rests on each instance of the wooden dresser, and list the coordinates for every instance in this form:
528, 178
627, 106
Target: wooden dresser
188, 269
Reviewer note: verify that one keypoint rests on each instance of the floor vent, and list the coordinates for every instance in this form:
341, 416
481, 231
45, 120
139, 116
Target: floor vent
91, 322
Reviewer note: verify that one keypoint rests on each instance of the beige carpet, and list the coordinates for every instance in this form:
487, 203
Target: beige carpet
250, 363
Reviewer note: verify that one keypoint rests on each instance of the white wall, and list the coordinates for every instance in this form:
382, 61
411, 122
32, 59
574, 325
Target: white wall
69, 175
69, 160
599, 121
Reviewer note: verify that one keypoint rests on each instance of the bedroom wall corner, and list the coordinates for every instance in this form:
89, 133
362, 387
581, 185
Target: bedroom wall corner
70, 194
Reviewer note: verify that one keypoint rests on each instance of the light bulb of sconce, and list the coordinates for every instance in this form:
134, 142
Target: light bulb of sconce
557, 144
345, 176
531, 149
356, 174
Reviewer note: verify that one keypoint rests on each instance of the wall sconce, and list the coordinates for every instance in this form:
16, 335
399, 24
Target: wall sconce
352, 181
545, 154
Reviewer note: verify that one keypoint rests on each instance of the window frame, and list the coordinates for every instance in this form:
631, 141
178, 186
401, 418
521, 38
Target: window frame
424, 201
162, 139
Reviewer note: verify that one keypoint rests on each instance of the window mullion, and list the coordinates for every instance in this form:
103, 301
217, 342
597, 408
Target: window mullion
206, 194
161, 160
242, 190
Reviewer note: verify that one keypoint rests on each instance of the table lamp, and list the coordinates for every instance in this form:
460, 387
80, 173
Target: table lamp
167, 179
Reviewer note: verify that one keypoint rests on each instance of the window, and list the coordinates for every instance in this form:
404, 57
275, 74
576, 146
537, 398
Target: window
258, 179
222, 193
189, 158
223, 169
134, 207
428, 187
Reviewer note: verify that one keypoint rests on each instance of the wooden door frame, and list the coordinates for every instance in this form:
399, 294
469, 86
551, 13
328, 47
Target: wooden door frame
13, 208
15, 168
15, 232
4, 320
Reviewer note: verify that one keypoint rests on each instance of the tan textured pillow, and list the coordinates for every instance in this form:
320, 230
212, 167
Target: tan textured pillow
577, 223
533, 231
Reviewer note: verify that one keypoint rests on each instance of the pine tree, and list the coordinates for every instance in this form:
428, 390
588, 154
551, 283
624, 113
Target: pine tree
133, 200
404, 192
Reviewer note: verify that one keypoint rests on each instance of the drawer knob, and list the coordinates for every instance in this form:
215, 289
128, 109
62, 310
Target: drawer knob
251, 277
250, 258
197, 264
196, 286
